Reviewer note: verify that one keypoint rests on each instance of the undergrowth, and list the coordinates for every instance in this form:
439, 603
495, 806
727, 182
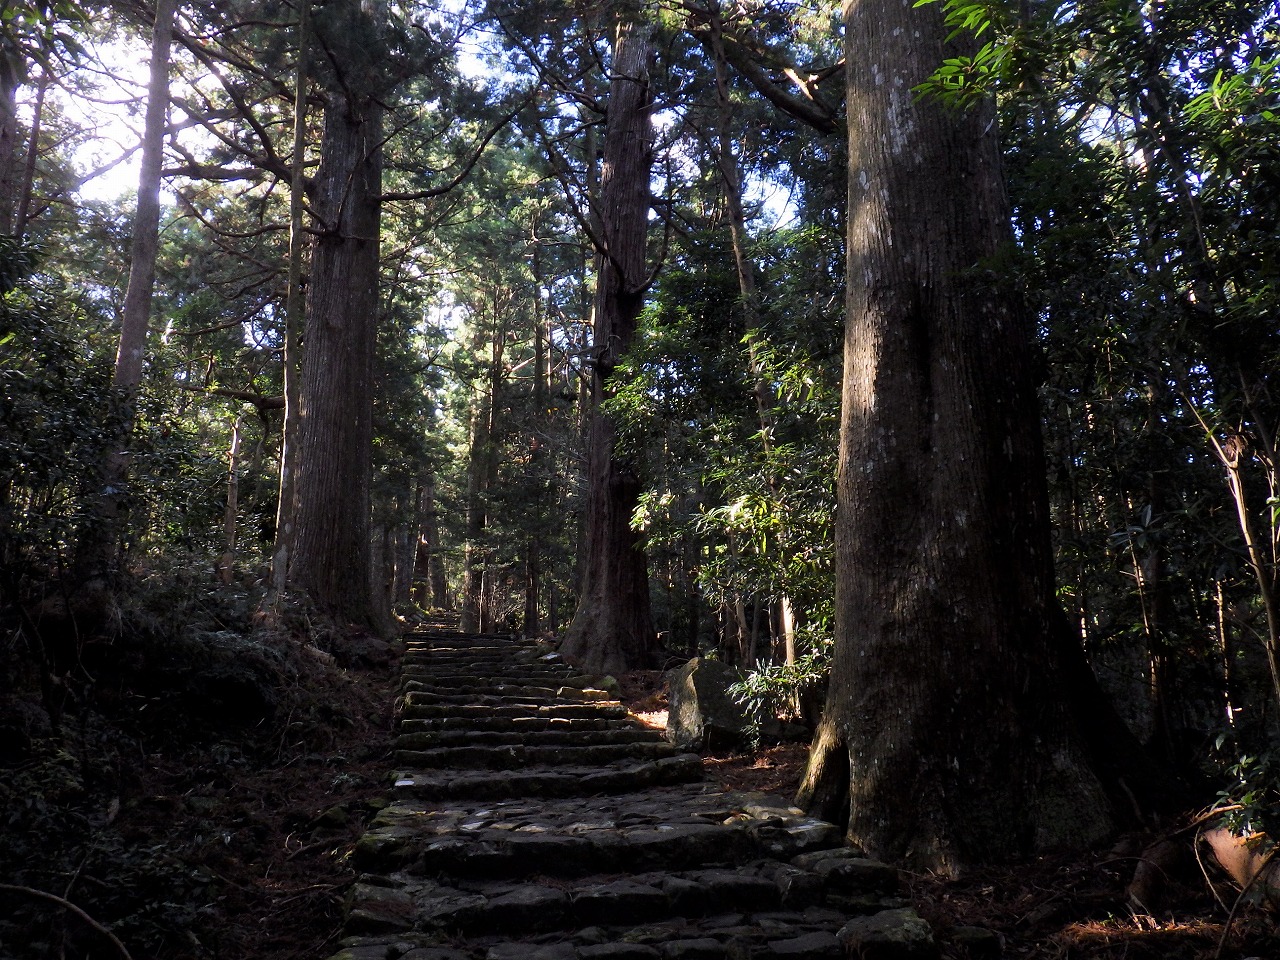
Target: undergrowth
162, 752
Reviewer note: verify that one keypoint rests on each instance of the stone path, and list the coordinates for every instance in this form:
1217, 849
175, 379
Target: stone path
535, 819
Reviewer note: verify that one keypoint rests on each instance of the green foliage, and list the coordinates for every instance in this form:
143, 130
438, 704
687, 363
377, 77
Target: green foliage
1252, 800
52, 394
780, 690
966, 78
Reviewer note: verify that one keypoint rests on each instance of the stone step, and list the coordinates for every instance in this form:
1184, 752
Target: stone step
812, 935
528, 696
517, 724
665, 828
767, 909
457, 636
518, 756
486, 693
549, 782
415, 739
486, 655
540, 905
570, 711
457, 677
448, 648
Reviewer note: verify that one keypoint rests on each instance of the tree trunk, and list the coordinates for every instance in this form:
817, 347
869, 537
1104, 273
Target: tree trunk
430, 586
231, 512
762, 387
612, 629
294, 320
482, 468
99, 546
11, 69
945, 738
331, 561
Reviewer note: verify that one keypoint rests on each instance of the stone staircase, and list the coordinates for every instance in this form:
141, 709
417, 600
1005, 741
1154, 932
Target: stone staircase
535, 819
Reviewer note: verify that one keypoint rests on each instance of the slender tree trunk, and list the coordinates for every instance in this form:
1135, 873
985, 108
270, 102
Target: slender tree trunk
482, 468
27, 187
431, 586
533, 544
762, 389
331, 552
294, 320
11, 69
945, 742
98, 548
477, 518
135, 321
232, 511
612, 629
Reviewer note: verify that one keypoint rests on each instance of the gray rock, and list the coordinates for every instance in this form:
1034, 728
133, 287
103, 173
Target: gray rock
809, 947
372, 951
701, 712
529, 905
688, 898
857, 876
700, 948
889, 935
620, 901
807, 861
619, 951
377, 909
798, 888
738, 891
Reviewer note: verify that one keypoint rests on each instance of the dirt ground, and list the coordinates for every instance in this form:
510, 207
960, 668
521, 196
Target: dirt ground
251, 856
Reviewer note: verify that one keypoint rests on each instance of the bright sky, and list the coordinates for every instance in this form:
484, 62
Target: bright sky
111, 117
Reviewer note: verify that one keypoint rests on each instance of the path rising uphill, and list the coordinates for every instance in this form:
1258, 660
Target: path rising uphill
535, 819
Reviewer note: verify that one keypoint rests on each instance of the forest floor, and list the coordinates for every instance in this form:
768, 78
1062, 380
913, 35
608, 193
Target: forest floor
208, 850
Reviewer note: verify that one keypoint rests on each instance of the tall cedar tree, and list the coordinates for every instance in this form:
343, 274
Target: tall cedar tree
945, 739
612, 629
331, 561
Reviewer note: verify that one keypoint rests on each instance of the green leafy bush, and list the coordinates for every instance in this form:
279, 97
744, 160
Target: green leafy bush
786, 691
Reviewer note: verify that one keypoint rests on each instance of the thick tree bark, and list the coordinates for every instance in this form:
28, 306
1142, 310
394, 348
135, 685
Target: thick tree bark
612, 629
331, 561
945, 739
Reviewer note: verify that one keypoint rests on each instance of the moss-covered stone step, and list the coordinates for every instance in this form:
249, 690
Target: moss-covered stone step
533, 906
515, 756
667, 828
409, 739
424, 709
517, 724
550, 782
499, 693
458, 676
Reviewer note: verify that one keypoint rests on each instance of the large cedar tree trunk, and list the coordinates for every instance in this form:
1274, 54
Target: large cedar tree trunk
331, 561
613, 630
946, 740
